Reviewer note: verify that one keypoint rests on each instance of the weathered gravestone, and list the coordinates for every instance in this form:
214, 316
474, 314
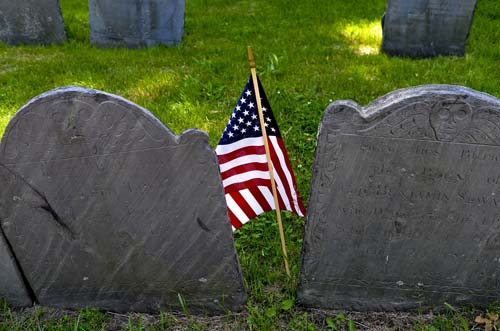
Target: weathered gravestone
132, 217
426, 28
136, 23
31, 22
405, 202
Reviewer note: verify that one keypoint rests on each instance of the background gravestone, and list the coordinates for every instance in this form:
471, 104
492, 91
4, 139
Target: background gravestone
136, 23
31, 22
426, 28
404, 209
132, 216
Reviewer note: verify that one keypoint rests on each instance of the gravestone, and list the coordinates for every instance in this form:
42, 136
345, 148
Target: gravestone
136, 23
132, 216
405, 202
426, 28
36, 22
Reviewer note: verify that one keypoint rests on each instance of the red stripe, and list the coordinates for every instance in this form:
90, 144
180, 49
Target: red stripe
247, 184
279, 172
250, 150
257, 194
244, 168
280, 202
241, 202
284, 180
234, 220
294, 182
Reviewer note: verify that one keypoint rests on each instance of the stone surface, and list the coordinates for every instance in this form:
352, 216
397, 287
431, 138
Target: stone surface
31, 22
404, 209
12, 286
136, 23
134, 217
426, 28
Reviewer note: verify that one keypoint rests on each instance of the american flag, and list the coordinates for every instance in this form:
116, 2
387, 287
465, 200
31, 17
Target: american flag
243, 162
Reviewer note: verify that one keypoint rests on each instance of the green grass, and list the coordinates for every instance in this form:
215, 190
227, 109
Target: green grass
308, 54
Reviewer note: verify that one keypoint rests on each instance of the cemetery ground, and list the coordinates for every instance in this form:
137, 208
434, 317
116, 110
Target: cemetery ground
308, 54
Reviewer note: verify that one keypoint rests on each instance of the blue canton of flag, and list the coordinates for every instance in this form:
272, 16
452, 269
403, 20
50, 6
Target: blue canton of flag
244, 122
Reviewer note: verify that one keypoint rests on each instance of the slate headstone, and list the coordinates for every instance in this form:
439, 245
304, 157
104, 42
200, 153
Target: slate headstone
134, 217
136, 23
31, 22
405, 202
427, 28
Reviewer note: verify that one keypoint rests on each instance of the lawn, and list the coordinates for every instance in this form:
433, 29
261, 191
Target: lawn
308, 54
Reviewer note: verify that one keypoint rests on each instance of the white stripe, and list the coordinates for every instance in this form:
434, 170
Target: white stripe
281, 190
236, 210
288, 175
247, 142
246, 159
243, 177
268, 195
250, 199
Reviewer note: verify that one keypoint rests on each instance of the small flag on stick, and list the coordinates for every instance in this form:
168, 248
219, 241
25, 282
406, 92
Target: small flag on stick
244, 166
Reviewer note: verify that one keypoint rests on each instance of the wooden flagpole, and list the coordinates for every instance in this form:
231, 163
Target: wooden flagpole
251, 62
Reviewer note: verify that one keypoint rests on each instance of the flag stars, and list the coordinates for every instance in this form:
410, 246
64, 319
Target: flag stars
244, 121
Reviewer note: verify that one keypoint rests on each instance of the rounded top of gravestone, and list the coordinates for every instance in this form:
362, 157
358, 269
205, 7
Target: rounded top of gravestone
437, 112
85, 122
411, 94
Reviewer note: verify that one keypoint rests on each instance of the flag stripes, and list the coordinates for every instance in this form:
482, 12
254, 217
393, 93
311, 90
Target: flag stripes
282, 165
245, 167
246, 180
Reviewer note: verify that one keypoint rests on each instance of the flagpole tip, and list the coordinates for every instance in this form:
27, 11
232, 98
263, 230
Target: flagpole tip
251, 60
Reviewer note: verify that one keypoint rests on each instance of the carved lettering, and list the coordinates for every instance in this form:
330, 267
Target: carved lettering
478, 200
476, 155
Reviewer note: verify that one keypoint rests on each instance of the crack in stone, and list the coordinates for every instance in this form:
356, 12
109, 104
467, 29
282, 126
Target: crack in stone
45, 206
29, 290
202, 225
